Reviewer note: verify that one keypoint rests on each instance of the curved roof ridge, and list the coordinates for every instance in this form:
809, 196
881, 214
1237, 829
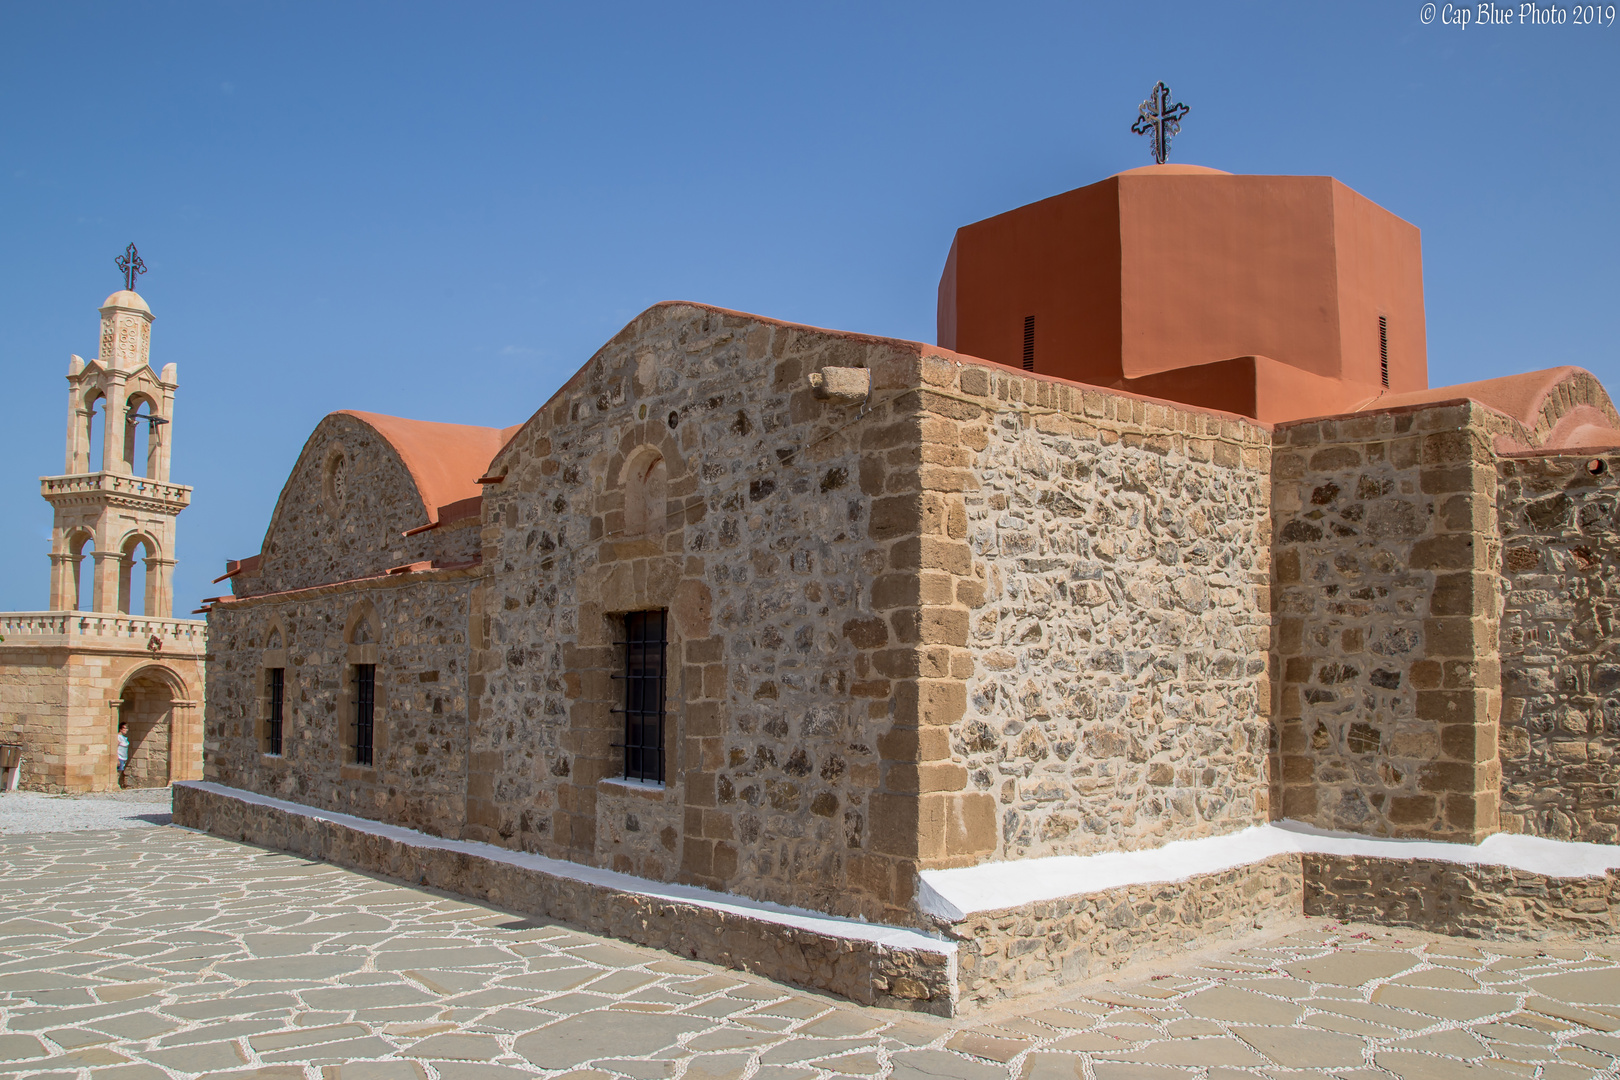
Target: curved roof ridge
1524, 397
920, 349
444, 460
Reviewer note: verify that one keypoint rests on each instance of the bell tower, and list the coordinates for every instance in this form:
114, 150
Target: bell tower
114, 503
109, 651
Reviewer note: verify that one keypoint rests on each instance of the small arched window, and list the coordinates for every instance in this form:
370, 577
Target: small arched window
335, 481
646, 489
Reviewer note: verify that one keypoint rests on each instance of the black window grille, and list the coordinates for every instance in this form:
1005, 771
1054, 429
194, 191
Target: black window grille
1029, 343
272, 729
644, 677
365, 711
1383, 350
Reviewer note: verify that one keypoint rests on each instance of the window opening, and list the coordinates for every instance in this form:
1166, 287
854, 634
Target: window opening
365, 707
133, 578
1029, 343
277, 698
95, 436
644, 678
84, 573
1383, 350
140, 437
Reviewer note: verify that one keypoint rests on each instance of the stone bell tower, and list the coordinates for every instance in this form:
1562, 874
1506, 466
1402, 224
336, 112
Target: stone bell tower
107, 652
122, 509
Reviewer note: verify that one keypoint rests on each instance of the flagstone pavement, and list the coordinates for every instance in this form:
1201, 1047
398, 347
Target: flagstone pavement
160, 952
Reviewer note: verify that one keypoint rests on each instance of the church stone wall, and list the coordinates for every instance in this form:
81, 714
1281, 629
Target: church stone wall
1560, 745
419, 773
1386, 600
778, 515
1119, 613
326, 530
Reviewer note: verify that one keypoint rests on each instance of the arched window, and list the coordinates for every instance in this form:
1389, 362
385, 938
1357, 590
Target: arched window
133, 578
82, 545
140, 436
362, 690
646, 489
274, 700
94, 430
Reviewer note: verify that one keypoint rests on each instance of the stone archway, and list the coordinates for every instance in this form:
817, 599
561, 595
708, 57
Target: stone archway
148, 704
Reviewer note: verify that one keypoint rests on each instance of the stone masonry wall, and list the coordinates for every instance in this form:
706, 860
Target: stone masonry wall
317, 536
35, 689
1456, 898
775, 515
1120, 621
1043, 946
419, 767
1385, 560
1560, 745
61, 706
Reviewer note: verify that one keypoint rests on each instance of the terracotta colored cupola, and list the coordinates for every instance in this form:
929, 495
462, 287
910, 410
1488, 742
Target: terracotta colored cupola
1271, 296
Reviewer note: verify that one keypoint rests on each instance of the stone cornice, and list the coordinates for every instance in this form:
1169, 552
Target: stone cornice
114, 489
94, 367
386, 580
103, 631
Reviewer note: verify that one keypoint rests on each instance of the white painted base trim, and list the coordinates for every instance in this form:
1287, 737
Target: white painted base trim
955, 894
798, 918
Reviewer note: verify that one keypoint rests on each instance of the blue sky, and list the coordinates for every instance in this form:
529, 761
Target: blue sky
441, 211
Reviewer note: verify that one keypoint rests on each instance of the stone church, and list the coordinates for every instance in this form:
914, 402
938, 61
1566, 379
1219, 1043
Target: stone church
896, 668
109, 648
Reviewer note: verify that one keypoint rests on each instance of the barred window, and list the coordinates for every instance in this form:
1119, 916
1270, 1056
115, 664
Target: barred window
272, 727
365, 707
644, 677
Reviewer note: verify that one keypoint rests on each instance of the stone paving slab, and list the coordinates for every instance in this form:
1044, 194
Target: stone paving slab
162, 953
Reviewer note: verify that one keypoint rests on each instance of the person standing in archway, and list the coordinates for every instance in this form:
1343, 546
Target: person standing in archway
123, 749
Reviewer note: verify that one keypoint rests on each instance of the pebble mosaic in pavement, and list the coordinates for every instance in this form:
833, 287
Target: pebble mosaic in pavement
161, 952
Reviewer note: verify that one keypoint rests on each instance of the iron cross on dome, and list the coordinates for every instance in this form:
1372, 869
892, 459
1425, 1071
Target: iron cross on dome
130, 263
1159, 120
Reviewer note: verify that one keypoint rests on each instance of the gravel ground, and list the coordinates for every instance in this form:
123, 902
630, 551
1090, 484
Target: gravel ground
37, 812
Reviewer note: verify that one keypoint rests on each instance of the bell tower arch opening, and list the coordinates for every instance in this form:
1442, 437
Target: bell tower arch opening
141, 438
87, 457
135, 578
81, 544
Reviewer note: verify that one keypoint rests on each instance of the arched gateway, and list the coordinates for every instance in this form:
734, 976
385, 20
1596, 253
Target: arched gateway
155, 704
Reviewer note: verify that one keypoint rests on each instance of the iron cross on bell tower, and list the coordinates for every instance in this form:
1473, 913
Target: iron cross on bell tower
1159, 120
129, 263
